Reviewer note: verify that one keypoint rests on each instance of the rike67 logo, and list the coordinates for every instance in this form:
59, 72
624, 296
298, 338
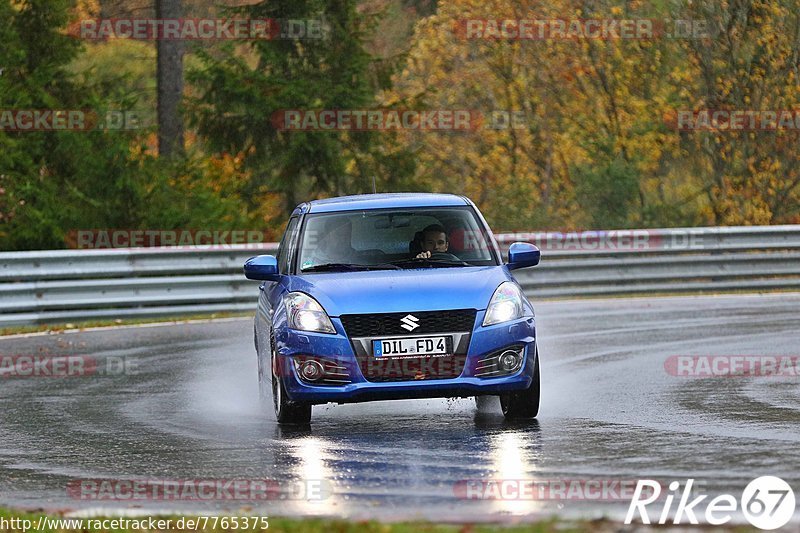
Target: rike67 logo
767, 503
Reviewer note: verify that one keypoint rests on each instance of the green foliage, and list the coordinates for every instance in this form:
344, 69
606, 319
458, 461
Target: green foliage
595, 151
607, 193
123, 72
55, 182
239, 92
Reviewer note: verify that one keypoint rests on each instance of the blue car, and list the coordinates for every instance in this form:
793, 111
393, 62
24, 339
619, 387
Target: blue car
393, 296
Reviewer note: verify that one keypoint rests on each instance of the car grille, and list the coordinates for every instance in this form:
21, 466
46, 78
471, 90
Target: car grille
391, 323
362, 329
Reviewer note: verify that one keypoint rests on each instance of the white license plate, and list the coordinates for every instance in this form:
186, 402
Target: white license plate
418, 346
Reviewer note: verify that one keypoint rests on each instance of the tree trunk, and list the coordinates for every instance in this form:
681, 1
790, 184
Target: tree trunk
170, 85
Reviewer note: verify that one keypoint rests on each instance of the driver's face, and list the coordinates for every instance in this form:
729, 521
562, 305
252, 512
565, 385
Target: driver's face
434, 242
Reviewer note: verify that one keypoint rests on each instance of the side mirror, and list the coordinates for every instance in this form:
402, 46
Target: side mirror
262, 268
523, 254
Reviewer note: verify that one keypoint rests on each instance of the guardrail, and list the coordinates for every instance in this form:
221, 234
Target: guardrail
76, 285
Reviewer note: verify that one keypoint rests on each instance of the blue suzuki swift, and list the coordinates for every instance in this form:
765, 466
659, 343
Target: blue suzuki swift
393, 296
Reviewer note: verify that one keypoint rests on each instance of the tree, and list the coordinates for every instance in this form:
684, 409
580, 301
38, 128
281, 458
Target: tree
54, 181
170, 84
597, 147
241, 88
751, 63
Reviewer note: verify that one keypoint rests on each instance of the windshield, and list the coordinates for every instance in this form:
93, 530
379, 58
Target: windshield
394, 238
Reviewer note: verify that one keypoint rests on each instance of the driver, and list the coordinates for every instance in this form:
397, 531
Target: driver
434, 240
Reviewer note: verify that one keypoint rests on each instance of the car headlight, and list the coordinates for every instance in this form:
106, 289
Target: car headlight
507, 303
304, 313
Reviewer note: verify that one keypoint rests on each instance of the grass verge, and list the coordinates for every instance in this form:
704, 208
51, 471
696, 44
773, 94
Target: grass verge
78, 326
328, 525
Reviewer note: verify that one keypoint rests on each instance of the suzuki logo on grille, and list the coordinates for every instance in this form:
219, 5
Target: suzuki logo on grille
409, 322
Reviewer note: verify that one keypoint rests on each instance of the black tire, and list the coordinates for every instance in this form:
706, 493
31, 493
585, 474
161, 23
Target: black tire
287, 411
485, 404
525, 403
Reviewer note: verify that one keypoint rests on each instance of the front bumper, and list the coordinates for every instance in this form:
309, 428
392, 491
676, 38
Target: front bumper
292, 344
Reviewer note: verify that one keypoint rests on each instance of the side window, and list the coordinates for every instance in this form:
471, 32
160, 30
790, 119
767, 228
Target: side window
287, 244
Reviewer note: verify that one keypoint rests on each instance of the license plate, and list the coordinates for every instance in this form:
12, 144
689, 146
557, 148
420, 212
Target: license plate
418, 346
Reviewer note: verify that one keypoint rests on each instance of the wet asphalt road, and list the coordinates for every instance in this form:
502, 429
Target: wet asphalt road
189, 410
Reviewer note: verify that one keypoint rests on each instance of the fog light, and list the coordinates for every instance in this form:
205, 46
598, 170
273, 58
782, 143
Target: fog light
311, 370
508, 360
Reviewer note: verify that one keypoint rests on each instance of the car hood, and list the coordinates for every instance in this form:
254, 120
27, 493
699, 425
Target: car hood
394, 291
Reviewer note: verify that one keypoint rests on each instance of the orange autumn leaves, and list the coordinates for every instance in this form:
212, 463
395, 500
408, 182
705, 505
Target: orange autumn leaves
595, 110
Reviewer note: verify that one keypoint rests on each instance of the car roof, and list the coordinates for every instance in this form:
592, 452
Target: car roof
379, 201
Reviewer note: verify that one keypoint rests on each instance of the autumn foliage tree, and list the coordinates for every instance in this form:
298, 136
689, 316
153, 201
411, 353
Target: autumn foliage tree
598, 147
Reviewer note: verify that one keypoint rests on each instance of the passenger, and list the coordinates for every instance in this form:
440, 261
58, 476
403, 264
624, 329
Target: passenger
335, 245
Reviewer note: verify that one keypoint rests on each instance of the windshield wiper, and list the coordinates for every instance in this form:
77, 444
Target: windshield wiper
330, 266
327, 267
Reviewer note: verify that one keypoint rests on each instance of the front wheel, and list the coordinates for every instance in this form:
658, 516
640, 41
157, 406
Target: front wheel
524, 403
287, 411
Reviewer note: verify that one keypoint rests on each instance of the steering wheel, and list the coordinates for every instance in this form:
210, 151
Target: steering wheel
441, 256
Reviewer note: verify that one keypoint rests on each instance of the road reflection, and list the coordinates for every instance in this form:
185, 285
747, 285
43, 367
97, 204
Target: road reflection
422, 459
